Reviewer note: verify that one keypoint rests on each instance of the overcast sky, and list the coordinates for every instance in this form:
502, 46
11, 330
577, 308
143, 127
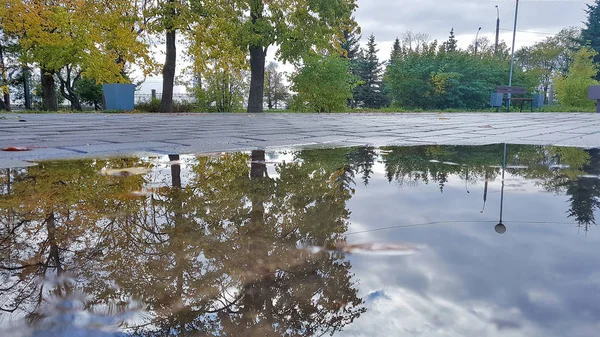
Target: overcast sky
388, 19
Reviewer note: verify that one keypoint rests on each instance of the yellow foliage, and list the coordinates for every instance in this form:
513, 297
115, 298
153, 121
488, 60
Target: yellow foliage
572, 89
100, 37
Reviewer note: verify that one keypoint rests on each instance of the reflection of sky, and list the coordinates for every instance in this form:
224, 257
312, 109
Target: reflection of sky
536, 280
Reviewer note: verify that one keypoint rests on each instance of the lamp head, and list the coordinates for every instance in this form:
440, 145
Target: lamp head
500, 228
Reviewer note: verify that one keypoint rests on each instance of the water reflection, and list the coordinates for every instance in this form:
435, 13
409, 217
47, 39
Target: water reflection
236, 244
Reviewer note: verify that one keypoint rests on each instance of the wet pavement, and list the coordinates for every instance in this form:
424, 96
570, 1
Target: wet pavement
53, 136
358, 241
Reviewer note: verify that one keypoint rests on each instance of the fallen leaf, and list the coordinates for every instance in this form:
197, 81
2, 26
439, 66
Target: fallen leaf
15, 149
444, 119
125, 172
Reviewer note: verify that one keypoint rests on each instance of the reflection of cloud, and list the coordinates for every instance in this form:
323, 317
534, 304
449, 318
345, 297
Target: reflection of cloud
536, 280
376, 295
402, 312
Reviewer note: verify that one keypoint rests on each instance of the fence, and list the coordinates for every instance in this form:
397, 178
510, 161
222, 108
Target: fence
178, 97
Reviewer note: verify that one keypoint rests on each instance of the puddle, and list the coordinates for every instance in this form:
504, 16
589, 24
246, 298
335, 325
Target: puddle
392, 241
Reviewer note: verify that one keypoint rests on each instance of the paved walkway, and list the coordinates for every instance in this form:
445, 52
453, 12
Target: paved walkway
58, 136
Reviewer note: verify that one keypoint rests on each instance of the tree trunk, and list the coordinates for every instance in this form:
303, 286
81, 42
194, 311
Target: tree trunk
49, 97
26, 89
166, 104
7, 101
5, 105
67, 88
257, 78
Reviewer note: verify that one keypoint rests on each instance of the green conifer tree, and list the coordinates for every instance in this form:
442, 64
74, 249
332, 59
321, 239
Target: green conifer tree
590, 35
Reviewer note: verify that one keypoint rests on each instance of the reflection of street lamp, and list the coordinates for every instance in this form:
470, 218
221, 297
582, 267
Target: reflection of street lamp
500, 227
467, 181
477, 40
485, 191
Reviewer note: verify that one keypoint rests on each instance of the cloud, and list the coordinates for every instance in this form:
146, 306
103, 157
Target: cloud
388, 19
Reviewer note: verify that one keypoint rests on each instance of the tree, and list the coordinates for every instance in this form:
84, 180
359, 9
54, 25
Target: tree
5, 68
222, 91
90, 92
572, 89
96, 38
369, 93
350, 43
452, 44
255, 25
590, 34
323, 84
275, 89
396, 53
434, 79
168, 17
549, 58
540, 59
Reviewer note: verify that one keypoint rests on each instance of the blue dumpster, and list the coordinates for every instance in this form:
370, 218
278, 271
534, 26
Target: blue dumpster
119, 97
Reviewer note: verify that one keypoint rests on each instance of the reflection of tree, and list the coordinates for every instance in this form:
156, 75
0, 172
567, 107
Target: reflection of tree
584, 193
51, 226
413, 165
361, 159
217, 254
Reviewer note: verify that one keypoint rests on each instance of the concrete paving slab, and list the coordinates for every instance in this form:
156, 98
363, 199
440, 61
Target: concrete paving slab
68, 135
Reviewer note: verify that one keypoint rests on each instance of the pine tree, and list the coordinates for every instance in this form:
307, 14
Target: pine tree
350, 44
590, 35
370, 93
396, 51
451, 44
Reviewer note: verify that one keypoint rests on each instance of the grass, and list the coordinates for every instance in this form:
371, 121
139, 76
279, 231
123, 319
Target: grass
188, 108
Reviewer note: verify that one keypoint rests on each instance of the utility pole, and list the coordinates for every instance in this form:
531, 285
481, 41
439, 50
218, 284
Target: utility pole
497, 30
512, 58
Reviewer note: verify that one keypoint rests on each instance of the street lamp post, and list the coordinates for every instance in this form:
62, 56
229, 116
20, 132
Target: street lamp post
477, 40
497, 30
512, 57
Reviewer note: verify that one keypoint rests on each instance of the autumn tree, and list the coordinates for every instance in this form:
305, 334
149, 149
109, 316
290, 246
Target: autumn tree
275, 89
572, 89
223, 91
256, 25
96, 39
549, 58
90, 92
323, 84
168, 17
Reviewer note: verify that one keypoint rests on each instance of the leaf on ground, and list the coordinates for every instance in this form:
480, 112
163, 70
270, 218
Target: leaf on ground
444, 119
16, 149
